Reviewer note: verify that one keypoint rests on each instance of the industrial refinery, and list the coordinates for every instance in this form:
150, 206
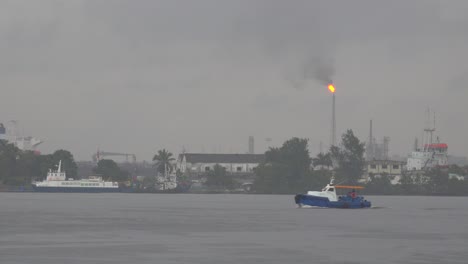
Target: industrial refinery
11, 132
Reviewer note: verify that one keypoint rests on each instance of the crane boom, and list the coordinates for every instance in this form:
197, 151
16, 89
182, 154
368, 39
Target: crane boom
98, 156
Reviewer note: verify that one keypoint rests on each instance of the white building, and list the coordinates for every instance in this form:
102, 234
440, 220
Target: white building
233, 163
388, 167
385, 168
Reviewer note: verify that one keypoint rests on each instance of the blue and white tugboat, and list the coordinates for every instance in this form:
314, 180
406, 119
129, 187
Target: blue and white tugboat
329, 199
57, 181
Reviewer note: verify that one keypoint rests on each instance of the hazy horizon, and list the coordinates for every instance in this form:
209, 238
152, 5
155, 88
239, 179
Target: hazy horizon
138, 76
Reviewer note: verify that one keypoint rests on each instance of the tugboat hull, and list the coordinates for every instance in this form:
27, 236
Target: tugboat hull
343, 202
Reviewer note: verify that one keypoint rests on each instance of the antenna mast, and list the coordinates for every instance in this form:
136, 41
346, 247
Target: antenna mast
429, 131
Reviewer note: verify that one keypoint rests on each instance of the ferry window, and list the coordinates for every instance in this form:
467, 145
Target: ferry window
373, 166
396, 166
331, 190
207, 168
384, 166
239, 168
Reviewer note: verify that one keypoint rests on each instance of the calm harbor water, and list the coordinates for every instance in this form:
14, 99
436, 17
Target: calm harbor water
46, 228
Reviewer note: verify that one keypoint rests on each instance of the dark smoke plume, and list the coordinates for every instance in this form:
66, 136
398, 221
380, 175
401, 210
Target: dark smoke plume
315, 69
320, 70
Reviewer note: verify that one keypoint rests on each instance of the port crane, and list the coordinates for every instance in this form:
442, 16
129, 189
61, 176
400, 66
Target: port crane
100, 154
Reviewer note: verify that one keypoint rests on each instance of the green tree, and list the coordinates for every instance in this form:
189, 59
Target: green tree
182, 178
45, 164
349, 157
323, 160
315, 180
379, 185
218, 178
455, 169
438, 181
407, 183
163, 161
149, 183
9, 155
271, 178
68, 162
28, 167
21, 167
457, 187
110, 171
421, 183
284, 168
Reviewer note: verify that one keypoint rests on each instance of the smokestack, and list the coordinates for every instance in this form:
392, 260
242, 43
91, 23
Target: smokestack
333, 137
251, 145
386, 141
2, 131
332, 89
370, 144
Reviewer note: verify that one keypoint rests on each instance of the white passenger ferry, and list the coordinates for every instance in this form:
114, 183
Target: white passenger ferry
56, 181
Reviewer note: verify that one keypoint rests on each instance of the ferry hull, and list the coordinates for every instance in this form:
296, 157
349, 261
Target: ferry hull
74, 189
345, 202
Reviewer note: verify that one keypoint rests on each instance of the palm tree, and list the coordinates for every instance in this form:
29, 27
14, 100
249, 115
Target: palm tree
163, 161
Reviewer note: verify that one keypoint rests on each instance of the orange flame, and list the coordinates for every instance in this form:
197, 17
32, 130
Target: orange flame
331, 88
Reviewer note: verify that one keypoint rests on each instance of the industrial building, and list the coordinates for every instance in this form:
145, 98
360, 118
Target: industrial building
10, 132
233, 163
388, 167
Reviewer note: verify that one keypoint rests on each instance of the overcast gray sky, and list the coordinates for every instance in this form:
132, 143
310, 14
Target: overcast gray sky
136, 76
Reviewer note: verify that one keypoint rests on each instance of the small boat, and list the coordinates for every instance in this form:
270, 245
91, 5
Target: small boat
329, 199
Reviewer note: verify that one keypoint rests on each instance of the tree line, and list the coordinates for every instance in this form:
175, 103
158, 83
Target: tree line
286, 169
290, 169
436, 181
21, 168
